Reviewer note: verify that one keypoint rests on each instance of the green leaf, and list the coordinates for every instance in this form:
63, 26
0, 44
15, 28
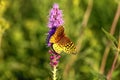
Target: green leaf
110, 37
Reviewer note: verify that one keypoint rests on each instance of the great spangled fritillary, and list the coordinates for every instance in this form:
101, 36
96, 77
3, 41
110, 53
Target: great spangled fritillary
62, 43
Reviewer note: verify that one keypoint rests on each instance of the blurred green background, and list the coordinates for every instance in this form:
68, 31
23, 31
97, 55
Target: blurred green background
23, 51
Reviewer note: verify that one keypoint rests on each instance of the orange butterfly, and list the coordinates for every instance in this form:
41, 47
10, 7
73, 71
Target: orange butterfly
61, 42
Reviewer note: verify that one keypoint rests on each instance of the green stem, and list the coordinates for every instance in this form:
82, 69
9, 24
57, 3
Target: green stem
54, 72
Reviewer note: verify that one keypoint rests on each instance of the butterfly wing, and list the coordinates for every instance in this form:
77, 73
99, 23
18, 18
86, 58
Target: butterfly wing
69, 46
64, 45
59, 33
61, 42
57, 48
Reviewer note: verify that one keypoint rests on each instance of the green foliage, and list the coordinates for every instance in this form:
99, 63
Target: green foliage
24, 54
111, 38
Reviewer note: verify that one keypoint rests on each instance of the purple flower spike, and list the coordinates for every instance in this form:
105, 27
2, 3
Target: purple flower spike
54, 58
55, 20
55, 17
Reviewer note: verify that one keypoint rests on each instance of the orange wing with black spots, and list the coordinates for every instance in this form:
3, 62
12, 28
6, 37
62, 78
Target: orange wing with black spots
61, 43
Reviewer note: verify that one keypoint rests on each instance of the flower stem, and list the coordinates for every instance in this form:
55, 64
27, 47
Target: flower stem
54, 72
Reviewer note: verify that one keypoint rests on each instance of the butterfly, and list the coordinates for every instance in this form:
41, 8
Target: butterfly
61, 43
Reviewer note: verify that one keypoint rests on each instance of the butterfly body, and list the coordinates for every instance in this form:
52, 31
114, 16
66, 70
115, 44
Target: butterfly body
61, 43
